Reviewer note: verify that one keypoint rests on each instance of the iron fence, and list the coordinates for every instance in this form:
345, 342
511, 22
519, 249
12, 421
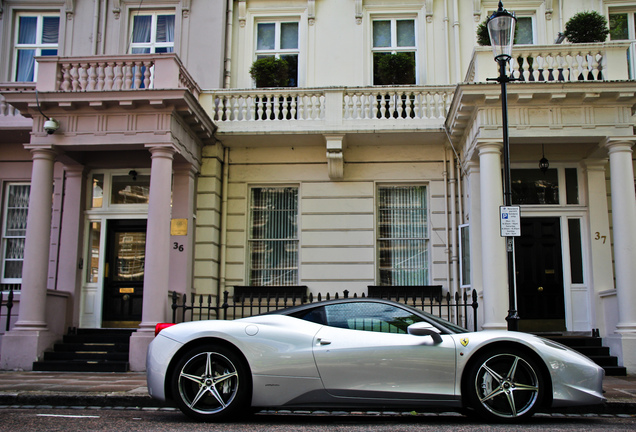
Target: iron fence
6, 304
459, 309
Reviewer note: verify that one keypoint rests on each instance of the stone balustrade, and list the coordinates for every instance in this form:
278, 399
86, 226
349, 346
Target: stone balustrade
113, 73
564, 62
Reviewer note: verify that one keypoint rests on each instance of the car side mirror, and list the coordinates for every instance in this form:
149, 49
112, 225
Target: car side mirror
424, 329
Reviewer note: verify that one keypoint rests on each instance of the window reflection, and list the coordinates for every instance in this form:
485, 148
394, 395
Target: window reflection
93, 253
98, 191
531, 186
125, 190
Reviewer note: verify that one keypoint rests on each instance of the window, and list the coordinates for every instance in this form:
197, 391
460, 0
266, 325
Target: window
152, 32
366, 316
273, 236
623, 27
36, 35
279, 39
555, 186
394, 51
110, 190
524, 33
14, 217
402, 236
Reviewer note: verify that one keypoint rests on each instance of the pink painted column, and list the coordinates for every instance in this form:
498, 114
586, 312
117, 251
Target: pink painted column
38, 240
182, 243
71, 244
157, 263
31, 336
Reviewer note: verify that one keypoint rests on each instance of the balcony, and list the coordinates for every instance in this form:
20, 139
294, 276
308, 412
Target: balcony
591, 62
103, 83
328, 110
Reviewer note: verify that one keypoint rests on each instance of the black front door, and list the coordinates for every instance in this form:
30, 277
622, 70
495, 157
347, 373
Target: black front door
123, 285
539, 269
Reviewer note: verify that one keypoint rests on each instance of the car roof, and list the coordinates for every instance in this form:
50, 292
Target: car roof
306, 306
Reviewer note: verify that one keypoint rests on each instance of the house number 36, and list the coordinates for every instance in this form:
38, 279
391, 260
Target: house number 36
179, 247
598, 236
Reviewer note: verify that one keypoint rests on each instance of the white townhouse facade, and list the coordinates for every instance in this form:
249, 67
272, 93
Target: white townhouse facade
169, 158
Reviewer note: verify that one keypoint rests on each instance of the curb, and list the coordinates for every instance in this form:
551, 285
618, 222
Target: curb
129, 401
101, 400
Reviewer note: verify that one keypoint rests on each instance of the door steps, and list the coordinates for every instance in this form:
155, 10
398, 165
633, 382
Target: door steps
593, 348
88, 350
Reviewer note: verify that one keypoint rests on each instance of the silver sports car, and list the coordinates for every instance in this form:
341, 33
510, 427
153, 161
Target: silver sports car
362, 353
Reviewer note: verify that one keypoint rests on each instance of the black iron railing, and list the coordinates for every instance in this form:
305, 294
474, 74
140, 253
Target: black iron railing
459, 309
6, 303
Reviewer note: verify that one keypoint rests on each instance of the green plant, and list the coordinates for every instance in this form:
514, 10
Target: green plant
588, 26
392, 69
270, 72
483, 37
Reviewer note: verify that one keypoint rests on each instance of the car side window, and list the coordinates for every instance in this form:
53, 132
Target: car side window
369, 316
316, 315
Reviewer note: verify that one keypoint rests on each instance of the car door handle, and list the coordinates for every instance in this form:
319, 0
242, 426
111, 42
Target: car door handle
323, 342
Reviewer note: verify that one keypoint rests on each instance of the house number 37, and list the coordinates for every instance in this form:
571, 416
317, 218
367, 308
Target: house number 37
598, 236
179, 247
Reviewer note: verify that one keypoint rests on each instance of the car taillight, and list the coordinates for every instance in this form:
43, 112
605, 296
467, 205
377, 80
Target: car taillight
162, 326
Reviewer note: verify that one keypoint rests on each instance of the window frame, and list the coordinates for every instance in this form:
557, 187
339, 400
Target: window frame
394, 48
533, 20
38, 46
250, 263
425, 238
153, 44
106, 187
631, 33
279, 52
3, 236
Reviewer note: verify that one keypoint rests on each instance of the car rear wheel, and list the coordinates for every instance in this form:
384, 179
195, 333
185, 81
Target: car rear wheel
505, 385
210, 383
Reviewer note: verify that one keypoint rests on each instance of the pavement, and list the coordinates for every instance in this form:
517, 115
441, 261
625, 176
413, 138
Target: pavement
128, 391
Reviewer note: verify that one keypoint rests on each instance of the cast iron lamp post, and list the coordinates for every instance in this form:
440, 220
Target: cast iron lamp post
501, 28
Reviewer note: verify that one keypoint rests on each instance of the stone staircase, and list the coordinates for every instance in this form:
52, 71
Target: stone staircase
593, 348
88, 350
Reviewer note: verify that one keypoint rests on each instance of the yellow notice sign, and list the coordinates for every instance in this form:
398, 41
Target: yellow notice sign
179, 227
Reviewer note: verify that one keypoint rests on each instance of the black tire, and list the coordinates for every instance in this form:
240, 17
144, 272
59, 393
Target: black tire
504, 385
211, 383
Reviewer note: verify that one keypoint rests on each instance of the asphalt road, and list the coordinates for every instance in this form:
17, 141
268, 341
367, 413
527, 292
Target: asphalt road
83, 420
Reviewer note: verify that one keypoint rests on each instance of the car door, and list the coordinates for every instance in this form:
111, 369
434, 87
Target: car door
364, 351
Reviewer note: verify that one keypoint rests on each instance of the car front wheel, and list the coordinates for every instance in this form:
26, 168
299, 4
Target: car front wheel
210, 383
505, 385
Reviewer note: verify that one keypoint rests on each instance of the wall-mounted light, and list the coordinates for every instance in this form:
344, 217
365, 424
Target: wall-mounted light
544, 164
50, 125
133, 174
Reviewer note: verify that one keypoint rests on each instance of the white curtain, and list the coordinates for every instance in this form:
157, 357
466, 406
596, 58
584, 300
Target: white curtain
402, 235
274, 236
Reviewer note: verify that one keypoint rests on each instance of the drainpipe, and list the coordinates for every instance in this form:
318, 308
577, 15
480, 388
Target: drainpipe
453, 230
224, 192
456, 44
446, 227
446, 44
460, 201
228, 44
103, 28
95, 27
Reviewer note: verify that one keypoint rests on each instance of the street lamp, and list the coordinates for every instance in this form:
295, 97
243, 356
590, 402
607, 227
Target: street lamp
501, 28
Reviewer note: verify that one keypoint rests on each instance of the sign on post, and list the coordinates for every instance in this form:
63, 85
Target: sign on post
510, 221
